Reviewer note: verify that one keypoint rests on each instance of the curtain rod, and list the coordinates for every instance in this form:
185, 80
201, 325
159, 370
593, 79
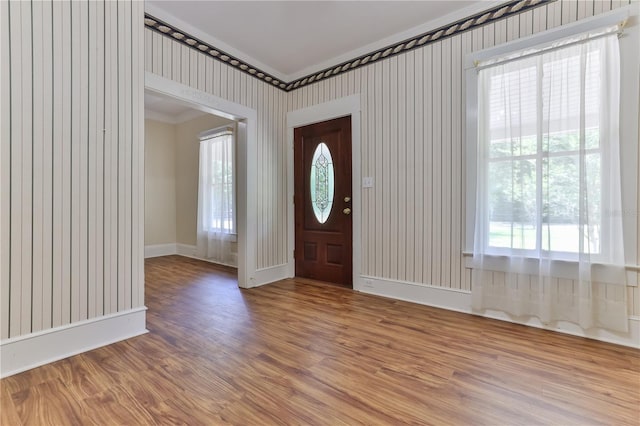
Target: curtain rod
619, 29
218, 131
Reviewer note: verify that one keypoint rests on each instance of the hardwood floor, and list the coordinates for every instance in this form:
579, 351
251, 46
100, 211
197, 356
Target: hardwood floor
308, 353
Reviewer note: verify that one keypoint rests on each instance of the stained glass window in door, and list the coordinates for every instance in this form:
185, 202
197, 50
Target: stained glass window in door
322, 182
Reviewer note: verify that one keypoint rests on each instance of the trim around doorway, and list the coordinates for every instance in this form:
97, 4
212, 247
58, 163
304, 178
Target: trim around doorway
247, 119
342, 107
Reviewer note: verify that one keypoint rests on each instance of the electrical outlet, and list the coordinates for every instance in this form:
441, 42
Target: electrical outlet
368, 283
367, 182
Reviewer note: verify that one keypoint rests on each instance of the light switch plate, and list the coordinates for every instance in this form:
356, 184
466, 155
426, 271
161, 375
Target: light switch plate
367, 182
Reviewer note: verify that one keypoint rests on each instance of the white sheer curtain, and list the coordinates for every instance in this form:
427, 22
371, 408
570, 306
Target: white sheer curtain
548, 229
216, 234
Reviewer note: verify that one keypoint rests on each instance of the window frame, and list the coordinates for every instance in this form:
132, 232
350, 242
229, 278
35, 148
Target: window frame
538, 157
628, 117
212, 134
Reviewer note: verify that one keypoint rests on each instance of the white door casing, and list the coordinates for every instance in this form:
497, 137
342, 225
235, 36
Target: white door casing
349, 105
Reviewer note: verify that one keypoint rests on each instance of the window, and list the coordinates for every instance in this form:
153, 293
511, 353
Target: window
546, 139
539, 157
217, 212
321, 182
545, 214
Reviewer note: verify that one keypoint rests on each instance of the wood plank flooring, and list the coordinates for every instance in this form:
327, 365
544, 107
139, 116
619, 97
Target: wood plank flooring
308, 353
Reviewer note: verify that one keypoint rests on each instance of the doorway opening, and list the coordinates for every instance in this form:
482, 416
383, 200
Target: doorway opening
173, 143
245, 119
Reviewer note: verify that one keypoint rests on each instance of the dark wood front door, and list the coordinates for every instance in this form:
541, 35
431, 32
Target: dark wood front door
322, 155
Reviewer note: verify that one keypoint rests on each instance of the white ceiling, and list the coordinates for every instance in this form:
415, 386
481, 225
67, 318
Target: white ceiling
292, 39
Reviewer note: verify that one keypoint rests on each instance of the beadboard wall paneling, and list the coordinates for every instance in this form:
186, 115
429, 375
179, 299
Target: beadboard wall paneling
72, 163
413, 136
634, 292
5, 173
175, 61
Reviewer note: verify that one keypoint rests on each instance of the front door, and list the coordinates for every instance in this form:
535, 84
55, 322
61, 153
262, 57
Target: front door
322, 155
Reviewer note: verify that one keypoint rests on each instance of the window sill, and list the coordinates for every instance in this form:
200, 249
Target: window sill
561, 268
233, 238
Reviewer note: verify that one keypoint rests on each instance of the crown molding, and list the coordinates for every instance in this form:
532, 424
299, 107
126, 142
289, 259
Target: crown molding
478, 7
438, 30
197, 43
190, 31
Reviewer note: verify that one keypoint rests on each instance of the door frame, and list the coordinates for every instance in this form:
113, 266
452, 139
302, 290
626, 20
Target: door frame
349, 105
246, 159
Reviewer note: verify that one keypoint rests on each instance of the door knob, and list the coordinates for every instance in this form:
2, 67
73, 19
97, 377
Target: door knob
346, 211
347, 199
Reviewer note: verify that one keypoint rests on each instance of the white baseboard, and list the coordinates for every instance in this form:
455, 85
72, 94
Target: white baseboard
460, 301
33, 350
631, 338
261, 276
159, 250
438, 297
187, 250
270, 275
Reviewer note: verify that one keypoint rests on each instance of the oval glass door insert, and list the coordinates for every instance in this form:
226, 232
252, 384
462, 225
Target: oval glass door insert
322, 182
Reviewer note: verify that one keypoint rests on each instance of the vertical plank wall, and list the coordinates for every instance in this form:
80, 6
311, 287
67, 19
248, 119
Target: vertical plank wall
71, 240
412, 143
172, 60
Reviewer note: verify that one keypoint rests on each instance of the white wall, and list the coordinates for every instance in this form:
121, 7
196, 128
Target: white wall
71, 234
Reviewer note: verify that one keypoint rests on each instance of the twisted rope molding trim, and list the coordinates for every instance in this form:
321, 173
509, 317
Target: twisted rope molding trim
169, 30
458, 27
